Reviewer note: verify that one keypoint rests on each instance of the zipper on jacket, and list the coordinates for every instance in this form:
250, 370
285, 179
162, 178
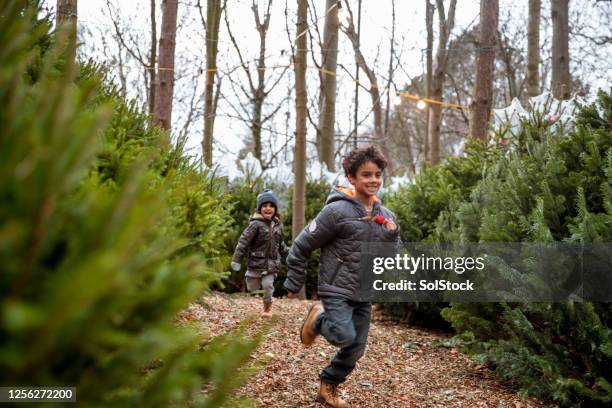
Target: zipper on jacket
340, 262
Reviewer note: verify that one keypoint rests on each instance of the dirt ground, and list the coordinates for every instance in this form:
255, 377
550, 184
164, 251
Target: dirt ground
402, 367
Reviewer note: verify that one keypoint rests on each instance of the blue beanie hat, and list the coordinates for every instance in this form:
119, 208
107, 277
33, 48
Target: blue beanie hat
267, 196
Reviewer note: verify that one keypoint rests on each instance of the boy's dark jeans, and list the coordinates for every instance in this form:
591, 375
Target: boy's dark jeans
344, 324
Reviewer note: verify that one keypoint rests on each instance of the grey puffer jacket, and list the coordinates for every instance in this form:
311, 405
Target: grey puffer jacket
339, 230
262, 241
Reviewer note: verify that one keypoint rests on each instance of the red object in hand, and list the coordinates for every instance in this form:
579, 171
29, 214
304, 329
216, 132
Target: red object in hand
379, 219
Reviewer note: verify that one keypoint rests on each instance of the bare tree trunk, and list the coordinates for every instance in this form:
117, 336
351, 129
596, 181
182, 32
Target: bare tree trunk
408, 140
327, 101
483, 84
390, 72
165, 85
67, 13
506, 51
256, 121
259, 93
446, 23
130, 43
561, 80
152, 60
429, 12
122, 76
356, 110
301, 106
213, 13
374, 90
533, 48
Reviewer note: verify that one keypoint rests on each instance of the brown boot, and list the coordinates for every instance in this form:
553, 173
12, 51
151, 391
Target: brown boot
267, 309
328, 394
307, 334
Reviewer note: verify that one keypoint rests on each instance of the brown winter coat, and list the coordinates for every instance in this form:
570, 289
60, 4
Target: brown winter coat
262, 242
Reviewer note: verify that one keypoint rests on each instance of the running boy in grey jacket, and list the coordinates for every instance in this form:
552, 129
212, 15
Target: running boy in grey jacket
349, 218
262, 241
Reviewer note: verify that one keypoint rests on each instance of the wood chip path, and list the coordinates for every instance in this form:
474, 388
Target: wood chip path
402, 367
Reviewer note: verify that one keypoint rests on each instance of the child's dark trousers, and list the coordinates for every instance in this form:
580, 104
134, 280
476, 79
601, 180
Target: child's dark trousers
345, 324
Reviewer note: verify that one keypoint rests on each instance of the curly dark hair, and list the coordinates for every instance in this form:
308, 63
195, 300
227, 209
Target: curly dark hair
359, 156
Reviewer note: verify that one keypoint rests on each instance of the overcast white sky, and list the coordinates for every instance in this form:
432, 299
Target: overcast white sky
375, 35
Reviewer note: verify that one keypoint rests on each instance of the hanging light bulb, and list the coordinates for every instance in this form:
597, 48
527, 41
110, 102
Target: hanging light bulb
421, 104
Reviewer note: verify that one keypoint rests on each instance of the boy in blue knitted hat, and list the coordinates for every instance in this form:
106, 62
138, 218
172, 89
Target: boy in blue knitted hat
262, 242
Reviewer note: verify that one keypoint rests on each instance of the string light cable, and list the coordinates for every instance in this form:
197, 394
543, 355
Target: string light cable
400, 94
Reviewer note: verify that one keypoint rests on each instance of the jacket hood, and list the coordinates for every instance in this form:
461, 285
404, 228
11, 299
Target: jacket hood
342, 193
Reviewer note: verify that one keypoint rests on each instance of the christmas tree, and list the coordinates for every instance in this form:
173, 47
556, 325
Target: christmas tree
107, 232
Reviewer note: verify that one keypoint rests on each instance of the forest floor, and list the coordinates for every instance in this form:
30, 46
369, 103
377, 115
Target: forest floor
402, 367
